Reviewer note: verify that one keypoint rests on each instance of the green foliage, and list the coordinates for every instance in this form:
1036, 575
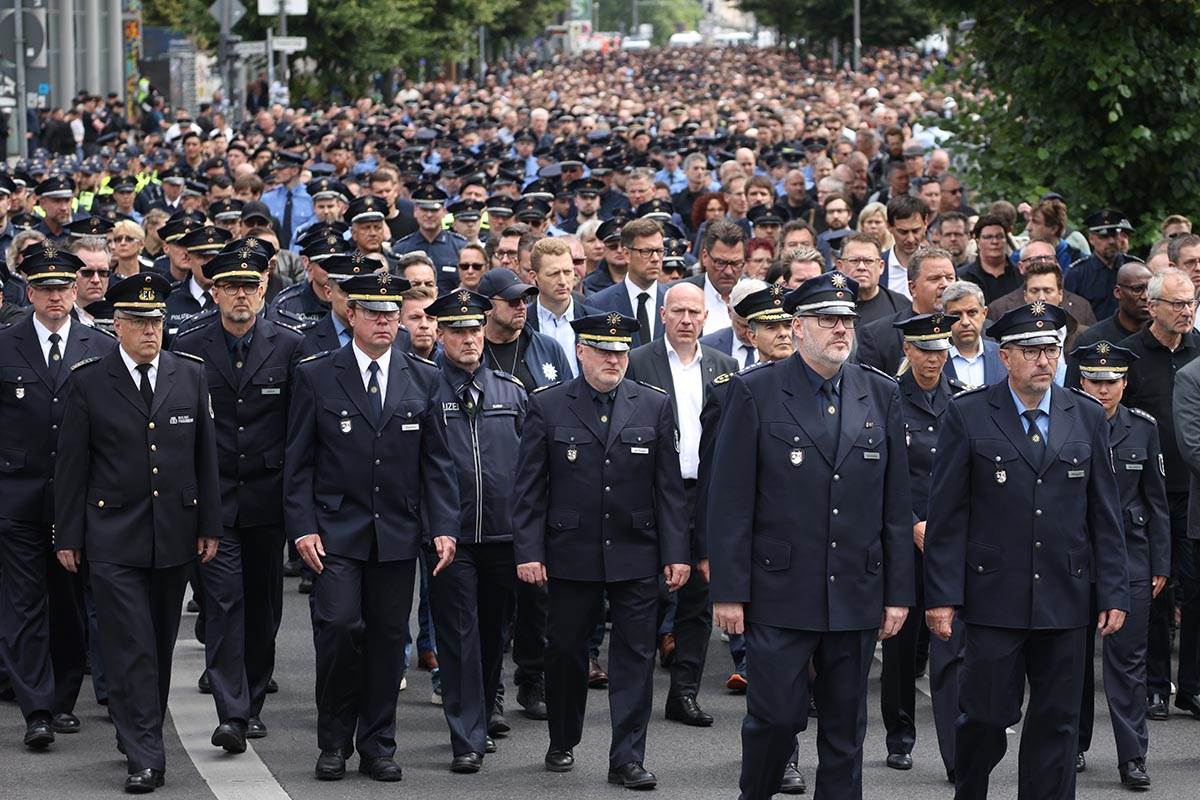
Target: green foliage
885, 23
1095, 100
667, 16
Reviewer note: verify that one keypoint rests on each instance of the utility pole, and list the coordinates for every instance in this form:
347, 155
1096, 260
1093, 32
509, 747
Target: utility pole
283, 63
21, 109
482, 53
857, 35
635, 18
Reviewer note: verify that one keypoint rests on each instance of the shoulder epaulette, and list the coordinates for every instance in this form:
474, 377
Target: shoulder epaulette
754, 366
422, 359
189, 356
457, 235
287, 326
723, 378
508, 376
314, 356
1082, 393
651, 386
956, 384
879, 372
972, 390
544, 388
288, 291
1137, 412
1079, 260
193, 325
4, 325
85, 362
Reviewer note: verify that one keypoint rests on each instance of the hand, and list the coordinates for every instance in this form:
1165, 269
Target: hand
891, 622
206, 548
940, 621
1025, 210
919, 535
1157, 584
676, 575
532, 572
702, 567
729, 617
1110, 621
70, 559
446, 548
311, 549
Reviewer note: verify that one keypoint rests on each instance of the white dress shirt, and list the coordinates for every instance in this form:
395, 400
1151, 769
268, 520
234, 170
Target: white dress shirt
651, 304
718, 311
364, 363
968, 369
132, 366
43, 334
897, 275
559, 329
197, 291
688, 380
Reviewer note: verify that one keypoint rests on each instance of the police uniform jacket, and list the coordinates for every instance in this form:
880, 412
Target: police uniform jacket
484, 446
1137, 459
922, 420
1013, 537
137, 488
181, 306
250, 409
596, 505
301, 303
360, 483
811, 540
31, 411
443, 250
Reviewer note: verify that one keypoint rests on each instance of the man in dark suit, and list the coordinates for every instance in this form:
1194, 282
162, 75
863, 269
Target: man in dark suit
41, 621
974, 360
598, 510
685, 369
810, 432
722, 261
930, 271
1023, 506
368, 483
639, 295
248, 362
138, 496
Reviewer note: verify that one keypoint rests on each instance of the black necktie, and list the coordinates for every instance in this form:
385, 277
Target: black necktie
829, 415
747, 355
286, 233
144, 385
1035, 435
470, 400
643, 317
55, 363
239, 354
374, 398
603, 409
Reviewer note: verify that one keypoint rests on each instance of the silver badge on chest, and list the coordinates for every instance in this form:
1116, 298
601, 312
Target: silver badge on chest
20, 392
796, 457
344, 424
572, 453
1001, 476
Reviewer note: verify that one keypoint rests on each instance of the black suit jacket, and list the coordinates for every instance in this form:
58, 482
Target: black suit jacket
31, 411
649, 364
880, 345
137, 487
250, 408
321, 336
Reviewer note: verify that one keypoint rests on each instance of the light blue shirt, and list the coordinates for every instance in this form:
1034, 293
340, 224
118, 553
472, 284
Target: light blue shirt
559, 329
969, 370
1043, 420
302, 206
343, 333
677, 180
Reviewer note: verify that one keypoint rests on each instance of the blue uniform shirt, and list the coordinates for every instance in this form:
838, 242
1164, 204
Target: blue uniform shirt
1043, 420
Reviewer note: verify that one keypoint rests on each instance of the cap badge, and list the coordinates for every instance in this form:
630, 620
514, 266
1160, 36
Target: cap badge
838, 281
1103, 348
50, 252
146, 295
464, 296
385, 278
614, 318
1037, 308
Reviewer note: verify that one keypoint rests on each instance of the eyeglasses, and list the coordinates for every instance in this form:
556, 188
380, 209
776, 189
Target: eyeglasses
516, 302
234, 289
94, 273
578, 261
952, 191
470, 265
647, 252
1038, 260
725, 265
993, 237
1135, 289
1176, 305
372, 315
124, 239
860, 261
507, 255
1032, 354
1191, 263
830, 321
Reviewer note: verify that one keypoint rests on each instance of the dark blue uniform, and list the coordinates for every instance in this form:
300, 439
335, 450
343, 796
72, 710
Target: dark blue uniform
41, 627
375, 490
473, 598
814, 591
600, 504
1029, 525
1093, 280
301, 303
181, 306
242, 585
443, 250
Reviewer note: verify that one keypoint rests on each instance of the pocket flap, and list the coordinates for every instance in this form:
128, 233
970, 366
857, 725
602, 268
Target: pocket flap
562, 519
982, 558
771, 554
16, 374
637, 435
576, 435
792, 435
329, 502
270, 376
643, 520
12, 460
104, 498
1075, 453
870, 438
1131, 454
1080, 561
995, 450
1137, 515
273, 458
340, 408
875, 558
189, 497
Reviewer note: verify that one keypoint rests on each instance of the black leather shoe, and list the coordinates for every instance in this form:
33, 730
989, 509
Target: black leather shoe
204, 684
272, 687
899, 760
632, 776
384, 770
532, 698
793, 781
489, 744
466, 764
497, 724
192, 606
950, 777
291, 568
1133, 774
306, 584
1157, 709
560, 761
255, 729
65, 723
144, 781
685, 709
7, 692
1080, 762
39, 733
230, 736
1189, 703
331, 766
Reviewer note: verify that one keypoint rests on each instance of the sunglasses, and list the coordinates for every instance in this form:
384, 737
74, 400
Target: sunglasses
471, 266
94, 273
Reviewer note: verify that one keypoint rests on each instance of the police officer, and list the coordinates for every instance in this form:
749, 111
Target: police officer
827, 436
41, 625
1094, 277
1024, 507
368, 480
248, 363
431, 237
483, 410
1136, 457
925, 393
192, 295
172, 264
55, 195
138, 494
598, 510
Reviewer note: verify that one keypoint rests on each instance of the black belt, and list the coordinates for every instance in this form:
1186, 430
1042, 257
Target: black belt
689, 483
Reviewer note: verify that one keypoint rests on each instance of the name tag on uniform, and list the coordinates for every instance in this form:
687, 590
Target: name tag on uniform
182, 419
642, 451
275, 390
871, 456
1076, 473
411, 426
449, 268
1134, 467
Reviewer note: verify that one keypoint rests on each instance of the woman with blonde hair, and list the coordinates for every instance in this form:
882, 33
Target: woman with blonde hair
127, 240
873, 220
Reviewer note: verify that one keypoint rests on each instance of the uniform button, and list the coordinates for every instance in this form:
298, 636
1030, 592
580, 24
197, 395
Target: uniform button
1074, 460
377, 462
997, 459
100, 503
241, 428
930, 428
377, 488
832, 578
607, 462
835, 512
607, 515
56, 400
376, 516
240, 401
155, 493
608, 488
53, 427
241, 483
53, 453
607, 542
837, 477
1037, 545
795, 438
150, 426
1039, 481
1037, 512
979, 568
154, 448
1037, 576
766, 562
379, 436
241, 455
833, 545
154, 470
933, 449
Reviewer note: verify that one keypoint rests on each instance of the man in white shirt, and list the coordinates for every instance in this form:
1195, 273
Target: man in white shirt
973, 360
554, 275
723, 258
906, 220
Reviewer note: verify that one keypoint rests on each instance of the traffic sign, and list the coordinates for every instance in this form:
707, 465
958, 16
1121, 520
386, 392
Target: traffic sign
292, 8
245, 49
289, 44
236, 11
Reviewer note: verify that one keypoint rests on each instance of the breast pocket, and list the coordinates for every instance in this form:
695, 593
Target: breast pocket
1130, 459
568, 443
1076, 457
270, 382
342, 415
995, 456
870, 446
791, 445
639, 441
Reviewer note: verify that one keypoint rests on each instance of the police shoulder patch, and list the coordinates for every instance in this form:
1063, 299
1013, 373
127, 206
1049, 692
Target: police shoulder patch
188, 356
544, 388
315, 356
879, 372
651, 386
1082, 393
723, 377
85, 362
508, 376
1137, 412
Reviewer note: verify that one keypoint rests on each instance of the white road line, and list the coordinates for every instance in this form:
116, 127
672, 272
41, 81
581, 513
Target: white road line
240, 777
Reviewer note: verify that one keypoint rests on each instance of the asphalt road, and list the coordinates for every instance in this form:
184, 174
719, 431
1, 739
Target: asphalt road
692, 763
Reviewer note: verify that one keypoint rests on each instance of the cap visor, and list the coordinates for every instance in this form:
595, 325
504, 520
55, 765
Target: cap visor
614, 347
377, 305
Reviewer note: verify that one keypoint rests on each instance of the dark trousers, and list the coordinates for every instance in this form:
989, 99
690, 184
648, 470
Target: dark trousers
529, 634
1162, 610
1187, 595
359, 613
242, 609
1124, 664
777, 707
996, 665
693, 623
42, 634
99, 682
898, 681
574, 608
138, 613
945, 668
470, 601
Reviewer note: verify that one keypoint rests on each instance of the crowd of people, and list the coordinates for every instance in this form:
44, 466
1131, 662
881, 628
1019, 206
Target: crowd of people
618, 346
